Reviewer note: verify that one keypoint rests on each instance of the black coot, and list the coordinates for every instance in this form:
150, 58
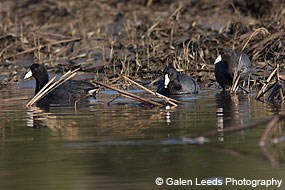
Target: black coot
226, 65
175, 83
67, 93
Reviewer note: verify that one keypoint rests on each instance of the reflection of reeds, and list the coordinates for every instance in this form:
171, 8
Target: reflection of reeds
14, 99
59, 125
271, 124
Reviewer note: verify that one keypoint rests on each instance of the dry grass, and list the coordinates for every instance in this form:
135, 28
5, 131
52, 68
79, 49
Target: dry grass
139, 38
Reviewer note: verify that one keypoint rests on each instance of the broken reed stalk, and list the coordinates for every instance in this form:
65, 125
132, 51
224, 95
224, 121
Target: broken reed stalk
266, 90
265, 85
255, 33
176, 11
51, 86
278, 83
129, 95
236, 78
171, 101
32, 101
258, 47
235, 86
52, 43
247, 91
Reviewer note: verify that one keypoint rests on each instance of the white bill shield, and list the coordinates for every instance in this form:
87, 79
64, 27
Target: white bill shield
166, 80
28, 75
219, 58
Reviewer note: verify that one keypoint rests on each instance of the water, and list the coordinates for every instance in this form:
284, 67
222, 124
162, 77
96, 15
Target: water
127, 146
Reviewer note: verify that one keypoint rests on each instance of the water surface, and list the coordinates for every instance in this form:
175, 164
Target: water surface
124, 145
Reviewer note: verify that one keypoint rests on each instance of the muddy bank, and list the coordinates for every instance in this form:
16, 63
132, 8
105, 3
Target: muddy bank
138, 38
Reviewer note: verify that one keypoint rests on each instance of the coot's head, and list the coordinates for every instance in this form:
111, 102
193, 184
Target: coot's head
228, 56
227, 52
170, 74
39, 72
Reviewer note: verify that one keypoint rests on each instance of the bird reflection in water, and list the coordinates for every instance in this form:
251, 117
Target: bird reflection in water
232, 110
167, 115
58, 125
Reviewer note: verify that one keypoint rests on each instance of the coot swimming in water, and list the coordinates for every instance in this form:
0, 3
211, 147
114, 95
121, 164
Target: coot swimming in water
226, 65
175, 83
66, 94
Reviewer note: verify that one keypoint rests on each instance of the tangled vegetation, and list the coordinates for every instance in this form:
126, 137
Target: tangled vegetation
139, 38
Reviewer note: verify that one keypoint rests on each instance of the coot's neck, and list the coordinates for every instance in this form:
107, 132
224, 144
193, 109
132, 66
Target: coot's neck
41, 81
175, 83
232, 59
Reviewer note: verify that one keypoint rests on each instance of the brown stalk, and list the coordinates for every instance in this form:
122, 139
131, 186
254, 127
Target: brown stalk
175, 11
278, 83
149, 31
266, 90
265, 85
247, 91
258, 47
255, 33
43, 46
50, 87
32, 101
167, 99
129, 95
236, 78
234, 86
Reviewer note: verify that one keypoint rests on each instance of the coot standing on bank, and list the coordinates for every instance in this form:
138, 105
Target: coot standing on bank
66, 94
226, 65
175, 83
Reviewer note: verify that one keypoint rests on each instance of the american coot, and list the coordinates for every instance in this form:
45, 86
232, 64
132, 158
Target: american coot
66, 94
175, 83
226, 65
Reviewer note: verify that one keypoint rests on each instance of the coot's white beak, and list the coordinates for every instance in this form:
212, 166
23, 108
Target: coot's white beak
219, 58
166, 80
91, 92
28, 75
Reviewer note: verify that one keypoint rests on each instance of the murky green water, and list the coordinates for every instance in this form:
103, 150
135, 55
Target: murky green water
127, 146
